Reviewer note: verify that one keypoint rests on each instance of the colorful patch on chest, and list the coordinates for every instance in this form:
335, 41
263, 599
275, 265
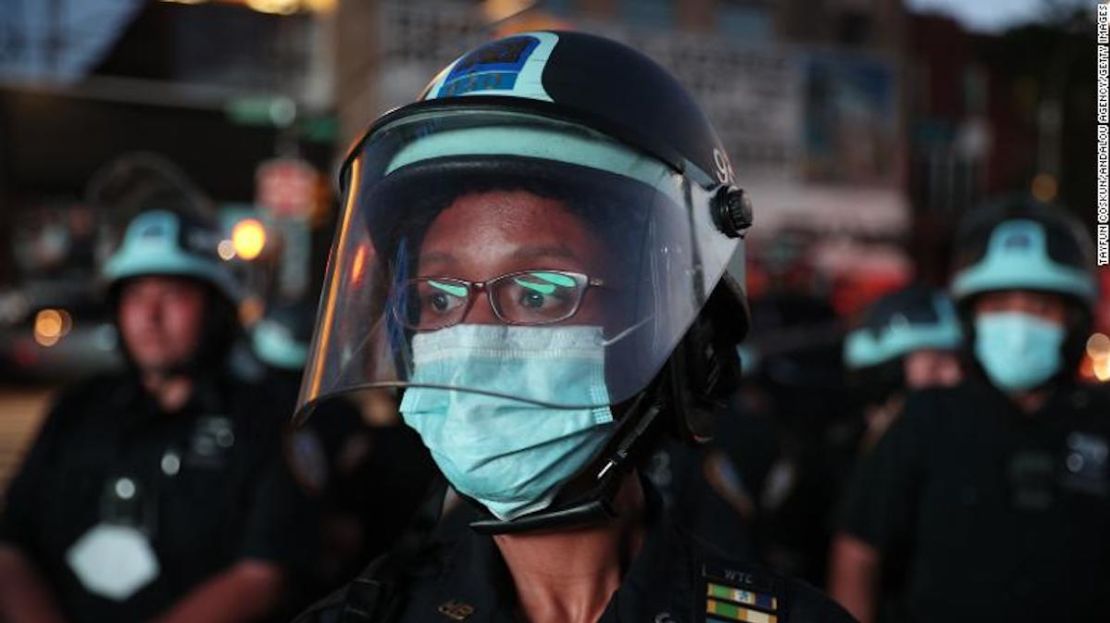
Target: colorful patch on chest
739, 596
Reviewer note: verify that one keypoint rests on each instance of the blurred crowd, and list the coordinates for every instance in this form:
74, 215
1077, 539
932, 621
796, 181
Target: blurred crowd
175, 486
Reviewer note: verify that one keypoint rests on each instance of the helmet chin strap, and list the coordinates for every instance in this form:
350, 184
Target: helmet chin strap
681, 391
588, 497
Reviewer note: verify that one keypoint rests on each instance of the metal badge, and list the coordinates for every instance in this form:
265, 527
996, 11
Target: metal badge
1085, 464
123, 501
212, 439
170, 463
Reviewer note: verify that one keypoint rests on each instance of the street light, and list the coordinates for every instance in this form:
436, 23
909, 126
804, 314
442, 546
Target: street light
248, 238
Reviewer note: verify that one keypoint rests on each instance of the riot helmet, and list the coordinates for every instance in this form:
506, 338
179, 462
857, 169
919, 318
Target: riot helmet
562, 197
1021, 244
897, 325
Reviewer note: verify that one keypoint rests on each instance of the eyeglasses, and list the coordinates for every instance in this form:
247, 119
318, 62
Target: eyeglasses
529, 297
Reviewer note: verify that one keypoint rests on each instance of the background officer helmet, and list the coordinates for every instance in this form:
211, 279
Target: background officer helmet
161, 242
549, 113
167, 243
1018, 243
912, 319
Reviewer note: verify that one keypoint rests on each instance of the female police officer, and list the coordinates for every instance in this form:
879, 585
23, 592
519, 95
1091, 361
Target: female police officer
535, 252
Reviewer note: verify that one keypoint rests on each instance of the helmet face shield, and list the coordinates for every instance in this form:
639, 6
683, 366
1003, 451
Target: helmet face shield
546, 237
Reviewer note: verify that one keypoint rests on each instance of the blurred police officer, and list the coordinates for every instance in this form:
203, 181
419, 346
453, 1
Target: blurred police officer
536, 251
793, 429
159, 492
907, 340
996, 491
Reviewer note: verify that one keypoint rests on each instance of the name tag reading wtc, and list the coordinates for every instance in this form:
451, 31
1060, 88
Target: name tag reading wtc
733, 595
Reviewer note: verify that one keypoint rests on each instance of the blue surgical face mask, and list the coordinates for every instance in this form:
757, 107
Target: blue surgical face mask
1018, 351
509, 455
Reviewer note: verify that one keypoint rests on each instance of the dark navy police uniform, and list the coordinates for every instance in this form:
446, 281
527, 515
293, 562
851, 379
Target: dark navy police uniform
1005, 516
206, 487
675, 578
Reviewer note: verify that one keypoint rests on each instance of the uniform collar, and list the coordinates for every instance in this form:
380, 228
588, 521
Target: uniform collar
476, 587
658, 585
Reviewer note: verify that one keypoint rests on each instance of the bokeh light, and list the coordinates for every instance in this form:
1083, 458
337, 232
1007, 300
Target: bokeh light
276, 7
226, 250
248, 238
51, 325
1044, 187
1098, 352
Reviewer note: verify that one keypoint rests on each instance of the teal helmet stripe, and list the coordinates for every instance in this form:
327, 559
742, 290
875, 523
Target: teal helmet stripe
138, 265
152, 246
1017, 259
865, 347
546, 143
984, 277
